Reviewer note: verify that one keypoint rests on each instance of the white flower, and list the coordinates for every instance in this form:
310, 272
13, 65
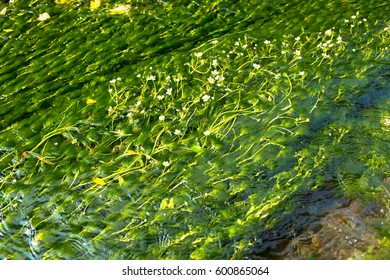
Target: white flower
198, 54
211, 80
177, 132
166, 163
267, 42
236, 43
138, 103
43, 16
214, 42
160, 97
353, 17
297, 53
207, 133
339, 40
220, 78
328, 32
215, 62
151, 78
297, 38
245, 46
214, 72
205, 97
112, 81
139, 76
169, 91
74, 141
110, 90
277, 76
256, 66
161, 118
301, 73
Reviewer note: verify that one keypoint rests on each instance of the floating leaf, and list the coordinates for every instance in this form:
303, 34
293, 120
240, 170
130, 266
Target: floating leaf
62, 1
171, 203
131, 152
98, 181
164, 204
90, 101
167, 204
95, 4
121, 181
120, 9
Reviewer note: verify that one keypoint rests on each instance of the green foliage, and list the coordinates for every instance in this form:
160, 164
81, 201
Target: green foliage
181, 131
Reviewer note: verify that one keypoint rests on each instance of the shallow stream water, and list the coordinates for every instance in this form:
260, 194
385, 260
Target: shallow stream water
194, 129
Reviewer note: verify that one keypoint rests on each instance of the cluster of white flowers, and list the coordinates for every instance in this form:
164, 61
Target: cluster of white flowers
198, 54
215, 77
298, 54
328, 32
151, 78
113, 81
43, 17
206, 97
256, 66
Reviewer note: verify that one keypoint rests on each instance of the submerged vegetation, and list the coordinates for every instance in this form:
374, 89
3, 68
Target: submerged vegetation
170, 130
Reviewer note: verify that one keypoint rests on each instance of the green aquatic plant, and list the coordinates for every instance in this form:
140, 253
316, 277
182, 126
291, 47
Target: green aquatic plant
169, 137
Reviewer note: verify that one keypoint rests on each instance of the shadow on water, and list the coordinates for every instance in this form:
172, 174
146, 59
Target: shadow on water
334, 221
323, 226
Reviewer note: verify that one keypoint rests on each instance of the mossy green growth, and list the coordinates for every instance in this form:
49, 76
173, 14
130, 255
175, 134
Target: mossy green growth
183, 131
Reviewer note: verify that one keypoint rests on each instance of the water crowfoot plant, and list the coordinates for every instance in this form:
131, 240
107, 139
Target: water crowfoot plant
192, 131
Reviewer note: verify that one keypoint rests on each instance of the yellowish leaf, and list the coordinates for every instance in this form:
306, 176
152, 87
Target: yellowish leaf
98, 181
164, 204
121, 181
8, 30
120, 9
3, 11
167, 204
90, 101
171, 203
63, 1
131, 152
95, 4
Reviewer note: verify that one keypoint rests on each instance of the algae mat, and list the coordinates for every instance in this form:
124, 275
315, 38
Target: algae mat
194, 129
